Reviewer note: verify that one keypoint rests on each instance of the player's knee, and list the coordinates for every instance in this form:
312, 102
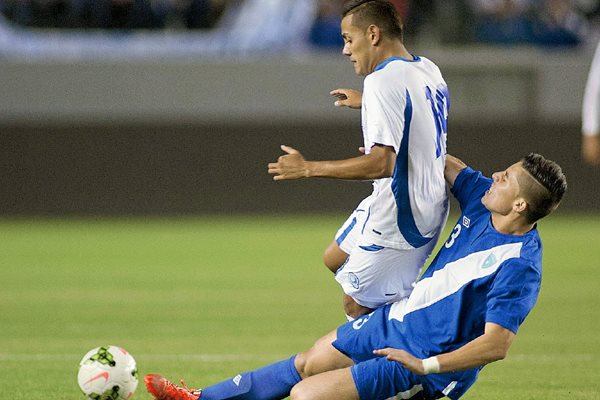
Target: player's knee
333, 258
305, 364
311, 362
329, 261
330, 264
301, 391
300, 364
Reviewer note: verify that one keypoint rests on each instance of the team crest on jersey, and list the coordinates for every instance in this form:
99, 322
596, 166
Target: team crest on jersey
466, 222
489, 261
354, 280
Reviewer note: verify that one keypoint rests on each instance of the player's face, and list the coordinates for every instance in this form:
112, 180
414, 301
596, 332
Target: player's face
357, 46
504, 192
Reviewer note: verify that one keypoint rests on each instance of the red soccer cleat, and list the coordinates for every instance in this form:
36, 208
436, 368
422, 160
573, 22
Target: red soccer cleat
162, 389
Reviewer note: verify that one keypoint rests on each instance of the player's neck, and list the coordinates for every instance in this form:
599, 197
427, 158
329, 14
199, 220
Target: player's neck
395, 49
510, 224
401, 51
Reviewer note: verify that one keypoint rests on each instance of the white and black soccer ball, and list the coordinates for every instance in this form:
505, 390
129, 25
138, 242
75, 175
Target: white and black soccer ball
108, 373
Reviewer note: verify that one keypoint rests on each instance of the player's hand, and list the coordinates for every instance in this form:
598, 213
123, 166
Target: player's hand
289, 166
347, 98
407, 360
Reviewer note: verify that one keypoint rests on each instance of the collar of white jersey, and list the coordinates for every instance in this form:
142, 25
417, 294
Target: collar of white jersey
396, 58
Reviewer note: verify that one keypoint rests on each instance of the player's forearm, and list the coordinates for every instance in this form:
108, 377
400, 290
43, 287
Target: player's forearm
491, 346
472, 355
452, 168
363, 167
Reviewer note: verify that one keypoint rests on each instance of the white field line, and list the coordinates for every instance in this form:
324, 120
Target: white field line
215, 358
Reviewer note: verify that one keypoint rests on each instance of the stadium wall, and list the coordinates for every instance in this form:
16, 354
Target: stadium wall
176, 137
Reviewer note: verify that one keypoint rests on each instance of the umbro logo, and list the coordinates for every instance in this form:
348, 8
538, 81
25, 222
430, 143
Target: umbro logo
466, 222
237, 380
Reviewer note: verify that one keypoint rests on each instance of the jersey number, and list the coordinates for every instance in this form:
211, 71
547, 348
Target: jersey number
439, 106
453, 236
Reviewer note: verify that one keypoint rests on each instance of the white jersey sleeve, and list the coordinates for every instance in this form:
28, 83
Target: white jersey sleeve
591, 99
382, 111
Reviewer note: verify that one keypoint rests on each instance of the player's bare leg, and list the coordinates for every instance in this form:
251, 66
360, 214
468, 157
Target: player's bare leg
336, 384
334, 257
353, 309
321, 357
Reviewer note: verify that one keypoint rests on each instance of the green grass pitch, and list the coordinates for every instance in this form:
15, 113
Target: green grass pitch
205, 298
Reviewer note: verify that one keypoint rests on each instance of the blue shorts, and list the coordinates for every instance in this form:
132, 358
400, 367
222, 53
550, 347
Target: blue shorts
376, 377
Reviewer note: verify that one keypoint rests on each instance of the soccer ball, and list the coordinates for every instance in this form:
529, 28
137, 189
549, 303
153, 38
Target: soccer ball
107, 373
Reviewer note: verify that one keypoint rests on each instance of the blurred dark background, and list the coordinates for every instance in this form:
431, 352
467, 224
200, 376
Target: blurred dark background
169, 107
172, 170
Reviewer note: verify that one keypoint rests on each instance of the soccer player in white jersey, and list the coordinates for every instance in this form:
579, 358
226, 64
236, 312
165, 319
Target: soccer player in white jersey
590, 141
463, 313
379, 250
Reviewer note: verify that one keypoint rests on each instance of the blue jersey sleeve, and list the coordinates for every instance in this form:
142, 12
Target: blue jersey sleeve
513, 294
469, 186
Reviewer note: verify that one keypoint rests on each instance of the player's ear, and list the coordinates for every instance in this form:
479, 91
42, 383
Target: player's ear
374, 34
520, 205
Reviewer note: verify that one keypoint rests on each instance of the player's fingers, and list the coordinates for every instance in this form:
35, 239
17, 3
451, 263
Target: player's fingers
274, 168
391, 354
382, 352
275, 172
361, 149
340, 94
289, 150
341, 90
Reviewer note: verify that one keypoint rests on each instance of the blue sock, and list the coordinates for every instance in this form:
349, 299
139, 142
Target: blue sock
272, 382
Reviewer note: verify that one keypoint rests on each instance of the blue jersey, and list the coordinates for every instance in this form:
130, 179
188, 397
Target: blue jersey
480, 275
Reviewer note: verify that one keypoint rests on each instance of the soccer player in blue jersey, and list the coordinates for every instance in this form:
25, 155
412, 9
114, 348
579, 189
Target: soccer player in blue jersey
463, 313
378, 252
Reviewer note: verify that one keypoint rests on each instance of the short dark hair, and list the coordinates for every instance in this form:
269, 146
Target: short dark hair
542, 200
381, 13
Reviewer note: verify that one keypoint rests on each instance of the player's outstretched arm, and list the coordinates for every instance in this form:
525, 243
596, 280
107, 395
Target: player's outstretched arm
347, 98
379, 163
452, 168
492, 346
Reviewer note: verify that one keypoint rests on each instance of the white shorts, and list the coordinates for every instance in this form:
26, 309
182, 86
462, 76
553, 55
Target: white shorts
375, 275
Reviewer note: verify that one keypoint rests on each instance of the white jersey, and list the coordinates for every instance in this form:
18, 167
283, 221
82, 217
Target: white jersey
591, 99
405, 106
